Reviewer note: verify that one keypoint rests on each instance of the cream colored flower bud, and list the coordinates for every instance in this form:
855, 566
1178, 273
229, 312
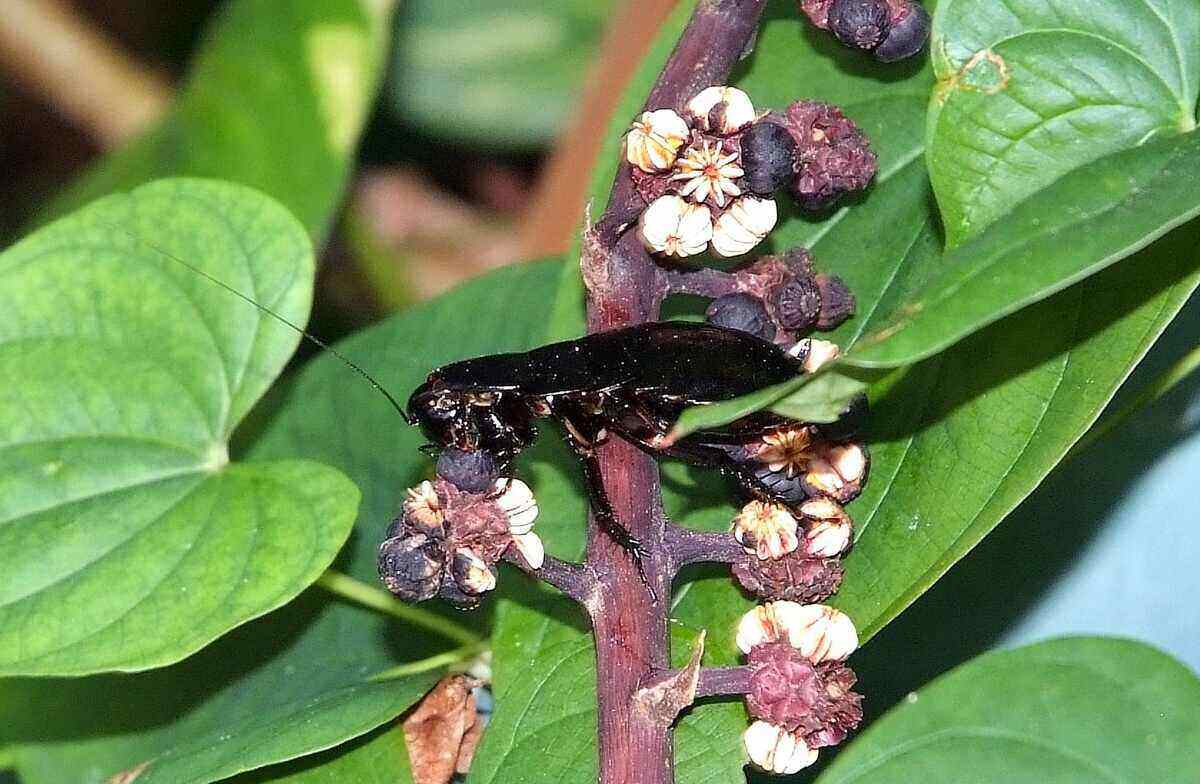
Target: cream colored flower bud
736, 114
472, 573
423, 508
849, 460
828, 538
821, 633
516, 500
747, 221
530, 546
673, 227
814, 353
654, 140
767, 623
775, 750
766, 530
838, 472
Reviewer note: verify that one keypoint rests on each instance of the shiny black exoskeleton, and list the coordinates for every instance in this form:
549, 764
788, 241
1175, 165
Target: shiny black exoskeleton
633, 382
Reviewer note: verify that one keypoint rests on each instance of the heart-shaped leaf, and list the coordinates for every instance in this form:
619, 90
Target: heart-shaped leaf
1030, 89
276, 100
1071, 710
127, 538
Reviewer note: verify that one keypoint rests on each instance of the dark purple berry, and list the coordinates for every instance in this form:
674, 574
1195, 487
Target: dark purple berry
907, 36
768, 157
833, 157
744, 312
798, 303
863, 24
411, 566
471, 472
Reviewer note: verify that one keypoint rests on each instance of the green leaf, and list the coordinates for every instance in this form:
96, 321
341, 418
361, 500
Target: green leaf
819, 398
495, 73
1021, 84
276, 99
378, 758
289, 685
1065, 711
127, 538
1089, 219
316, 651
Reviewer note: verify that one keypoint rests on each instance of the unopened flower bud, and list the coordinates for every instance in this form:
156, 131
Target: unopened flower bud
721, 110
775, 750
862, 24
411, 566
471, 573
766, 530
829, 531
530, 546
814, 353
837, 302
654, 140
516, 500
768, 157
471, 472
673, 227
743, 312
798, 303
745, 224
423, 509
907, 35
819, 632
838, 472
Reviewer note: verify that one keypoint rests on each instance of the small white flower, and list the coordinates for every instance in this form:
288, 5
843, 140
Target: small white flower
708, 171
654, 140
776, 750
472, 573
830, 533
738, 111
814, 353
839, 471
517, 501
849, 460
766, 530
673, 227
819, 632
747, 221
787, 450
530, 546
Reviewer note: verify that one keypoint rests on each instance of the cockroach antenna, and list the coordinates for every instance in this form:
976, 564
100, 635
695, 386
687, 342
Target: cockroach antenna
264, 309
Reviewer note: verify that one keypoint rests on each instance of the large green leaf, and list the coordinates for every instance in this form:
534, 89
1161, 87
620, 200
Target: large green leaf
303, 671
496, 73
1070, 711
378, 758
1031, 89
276, 100
127, 538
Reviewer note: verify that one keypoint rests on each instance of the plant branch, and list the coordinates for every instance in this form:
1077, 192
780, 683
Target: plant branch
379, 600
575, 580
690, 547
625, 288
702, 282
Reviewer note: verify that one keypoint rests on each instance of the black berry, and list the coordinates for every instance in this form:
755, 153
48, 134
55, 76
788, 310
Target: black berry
798, 303
784, 486
744, 312
768, 157
907, 36
863, 24
471, 472
411, 566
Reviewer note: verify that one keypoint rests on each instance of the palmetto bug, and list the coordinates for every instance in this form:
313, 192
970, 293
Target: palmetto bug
633, 382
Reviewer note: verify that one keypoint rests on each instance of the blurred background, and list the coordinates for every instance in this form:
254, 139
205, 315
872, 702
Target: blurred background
476, 155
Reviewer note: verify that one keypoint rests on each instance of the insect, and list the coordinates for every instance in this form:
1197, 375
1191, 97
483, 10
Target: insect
633, 382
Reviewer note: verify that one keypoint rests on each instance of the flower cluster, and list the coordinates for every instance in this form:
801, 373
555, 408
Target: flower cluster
890, 29
447, 540
800, 695
709, 174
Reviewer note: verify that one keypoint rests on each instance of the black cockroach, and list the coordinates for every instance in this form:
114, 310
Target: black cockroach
634, 382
